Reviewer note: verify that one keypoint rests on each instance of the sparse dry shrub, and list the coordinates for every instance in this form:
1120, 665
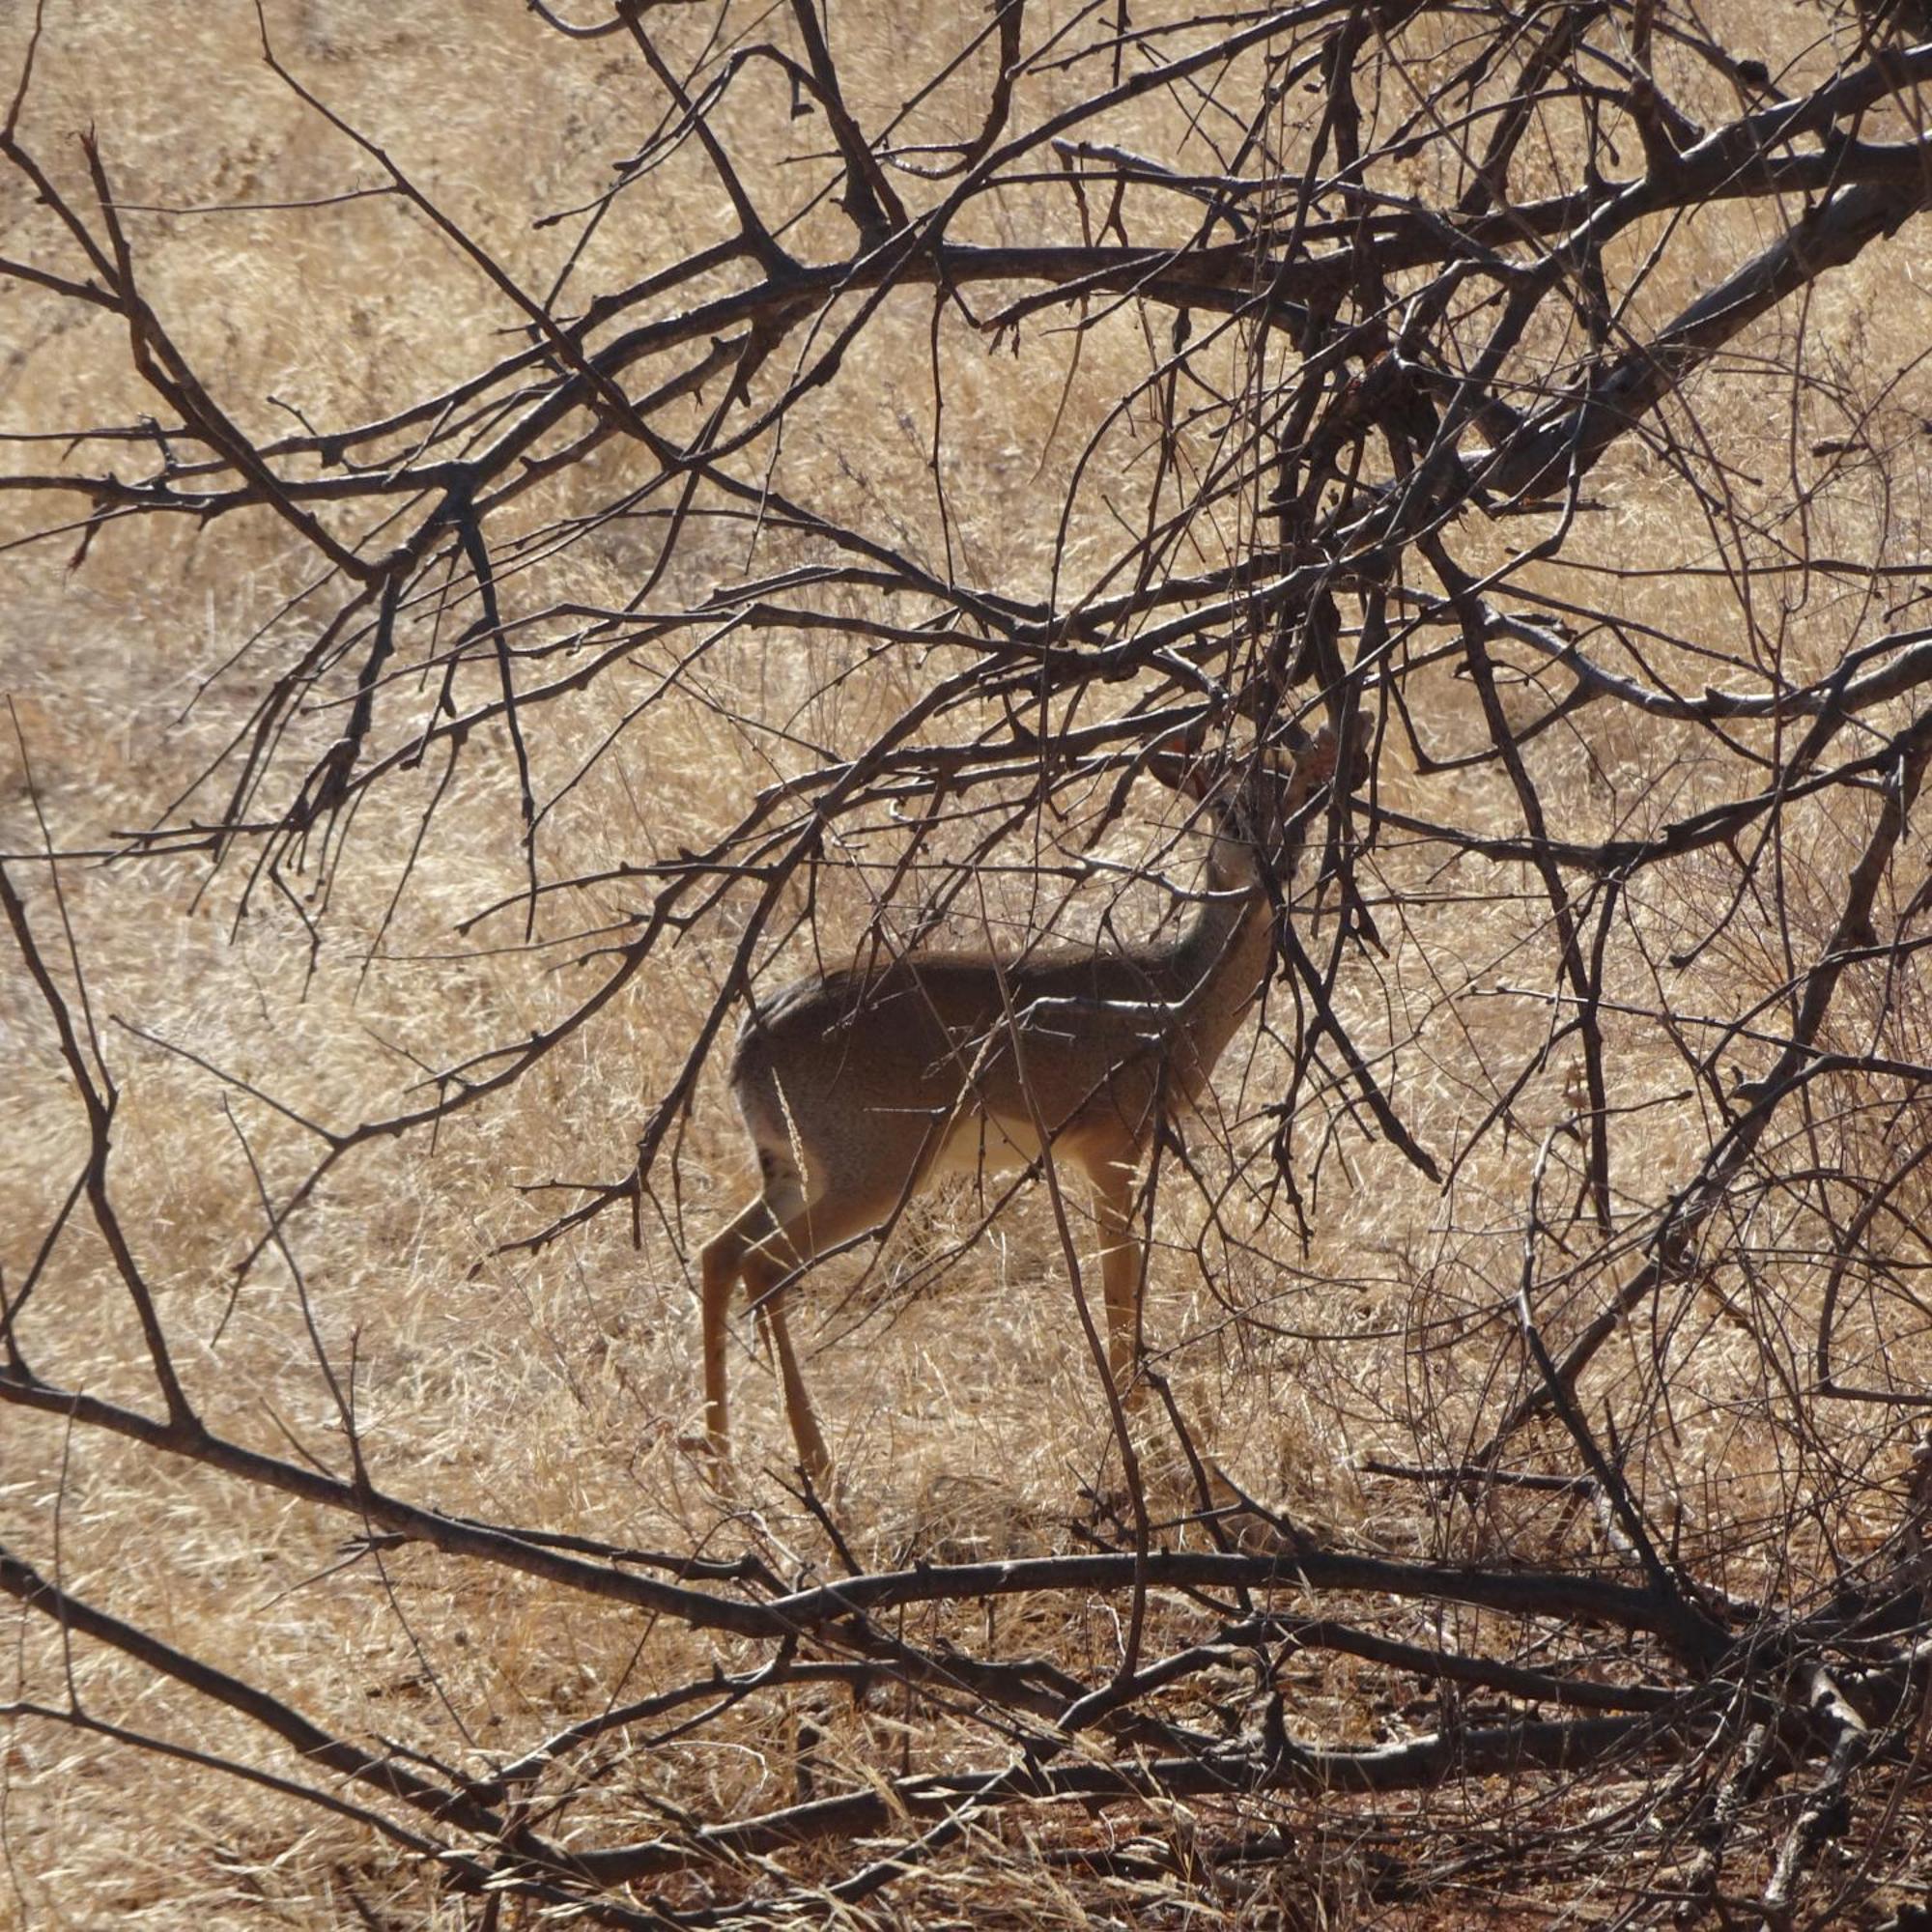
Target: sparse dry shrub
525, 529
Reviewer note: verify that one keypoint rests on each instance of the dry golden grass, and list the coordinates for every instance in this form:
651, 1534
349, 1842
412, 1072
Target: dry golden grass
558, 1389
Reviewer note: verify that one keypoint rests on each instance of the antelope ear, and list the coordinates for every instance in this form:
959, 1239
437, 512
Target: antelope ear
1186, 771
1315, 763
1191, 777
1361, 736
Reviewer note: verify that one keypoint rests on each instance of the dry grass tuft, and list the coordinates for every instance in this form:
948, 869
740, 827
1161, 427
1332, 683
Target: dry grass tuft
558, 1389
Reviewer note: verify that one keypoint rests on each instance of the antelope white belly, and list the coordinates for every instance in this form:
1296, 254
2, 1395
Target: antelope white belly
986, 1143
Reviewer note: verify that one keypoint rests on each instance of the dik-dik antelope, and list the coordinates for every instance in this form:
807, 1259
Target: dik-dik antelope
858, 1086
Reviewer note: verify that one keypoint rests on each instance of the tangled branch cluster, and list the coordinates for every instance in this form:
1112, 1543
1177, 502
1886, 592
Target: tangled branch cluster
1460, 338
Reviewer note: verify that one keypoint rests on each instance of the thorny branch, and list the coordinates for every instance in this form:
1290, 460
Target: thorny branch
1373, 333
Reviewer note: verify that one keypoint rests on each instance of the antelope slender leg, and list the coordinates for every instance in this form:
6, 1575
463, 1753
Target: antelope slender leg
719, 1268
788, 1249
804, 1432
1122, 1272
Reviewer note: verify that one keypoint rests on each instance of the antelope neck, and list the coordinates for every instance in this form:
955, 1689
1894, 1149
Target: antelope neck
1218, 960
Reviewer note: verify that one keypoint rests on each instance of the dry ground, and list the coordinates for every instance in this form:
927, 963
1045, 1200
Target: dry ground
558, 1389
